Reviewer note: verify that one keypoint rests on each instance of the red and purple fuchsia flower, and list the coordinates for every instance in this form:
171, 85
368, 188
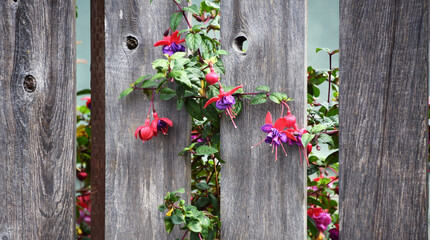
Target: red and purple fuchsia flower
171, 44
225, 101
160, 124
275, 134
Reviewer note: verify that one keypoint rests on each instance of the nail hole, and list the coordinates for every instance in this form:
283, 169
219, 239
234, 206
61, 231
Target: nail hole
132, 42
241, 44
30, 84
4, 237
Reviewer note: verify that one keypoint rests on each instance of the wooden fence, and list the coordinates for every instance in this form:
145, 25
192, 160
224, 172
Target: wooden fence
383, 121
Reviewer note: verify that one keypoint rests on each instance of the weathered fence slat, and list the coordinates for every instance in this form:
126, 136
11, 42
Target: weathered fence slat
137, 175
383, 119
261, 198
37, 119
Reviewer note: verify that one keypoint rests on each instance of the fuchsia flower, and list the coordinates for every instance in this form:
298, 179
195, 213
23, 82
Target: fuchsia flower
171, 44
334, 232
275, 134
88, 103
160, 124
321, 217
225, 100
145, 132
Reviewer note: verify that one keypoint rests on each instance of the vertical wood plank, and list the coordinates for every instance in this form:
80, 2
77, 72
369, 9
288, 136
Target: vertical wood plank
136, 175
261, 198
37, 122
383, 119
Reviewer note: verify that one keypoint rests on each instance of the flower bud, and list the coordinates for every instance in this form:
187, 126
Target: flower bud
212, 77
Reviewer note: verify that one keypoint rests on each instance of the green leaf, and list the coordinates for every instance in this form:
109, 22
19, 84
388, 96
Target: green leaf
313, 201
175, 20
158, 76
178, 217
203, 186
322, 49
274, 99
332, 158
179, 191
162, 208
307, 138
318, 128
263, 88
312, 227
149, 83
222, 52
193, 108
195, 226
82, 140
125, 92
83, 92
162, 64
168, 224
181, 77
205, 150
193, 40
259, 99
167, 93
177, 55
192, 9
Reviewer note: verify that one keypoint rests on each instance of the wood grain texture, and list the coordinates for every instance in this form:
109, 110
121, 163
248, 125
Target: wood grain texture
37, 129
137, 175
261, 198
383, 119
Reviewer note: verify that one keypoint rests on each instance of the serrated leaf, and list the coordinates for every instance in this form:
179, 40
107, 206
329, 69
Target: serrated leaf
205, 150
192, 9
194, 226
158, 76
168, 224
222, 52
162, 64
167, 93
193, 40
274, 99
203, 186
125, 92
193, 108
259, 99
177, 55
178, 217
175, 20
263, 88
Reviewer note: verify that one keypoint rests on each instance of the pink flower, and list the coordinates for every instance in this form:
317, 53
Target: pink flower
160, 124
88, 103
321, 217
225, 100
171, 44
145, 132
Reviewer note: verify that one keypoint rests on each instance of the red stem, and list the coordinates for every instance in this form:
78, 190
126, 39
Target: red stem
184, 235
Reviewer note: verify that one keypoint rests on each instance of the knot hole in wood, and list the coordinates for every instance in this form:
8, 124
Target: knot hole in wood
132, 42
240, 44
29, 84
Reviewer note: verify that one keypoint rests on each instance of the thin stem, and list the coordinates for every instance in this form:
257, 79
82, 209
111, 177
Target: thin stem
329, 78
184, 235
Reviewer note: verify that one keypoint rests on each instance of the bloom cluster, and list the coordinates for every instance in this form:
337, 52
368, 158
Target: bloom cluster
151, 129
284, 130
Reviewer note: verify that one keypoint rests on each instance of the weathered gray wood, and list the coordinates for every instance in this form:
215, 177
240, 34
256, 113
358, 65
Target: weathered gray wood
261, 198
37, 128
383, 119
137, 174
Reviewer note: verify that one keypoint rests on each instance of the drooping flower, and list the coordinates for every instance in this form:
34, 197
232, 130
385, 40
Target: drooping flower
225, 101
88, 103
322, 218
334, 233
171, 44
275, 135
212, 77
145, 132
160, 124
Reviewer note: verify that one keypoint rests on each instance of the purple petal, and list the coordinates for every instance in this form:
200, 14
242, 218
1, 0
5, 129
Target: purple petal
267, 128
